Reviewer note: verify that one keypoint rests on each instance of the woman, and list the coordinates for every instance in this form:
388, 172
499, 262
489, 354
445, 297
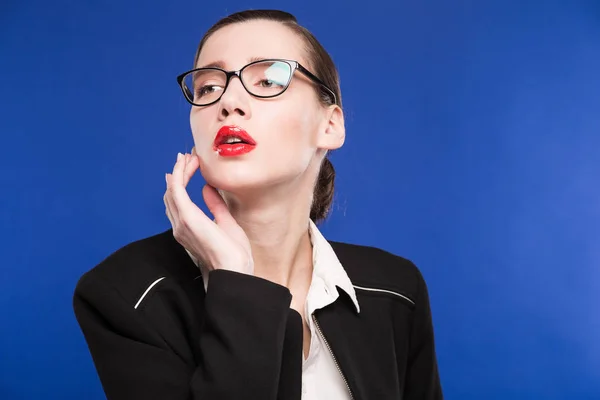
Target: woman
257, 304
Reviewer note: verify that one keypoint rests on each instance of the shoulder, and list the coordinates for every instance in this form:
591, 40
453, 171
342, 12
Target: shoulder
373, 268
131, 269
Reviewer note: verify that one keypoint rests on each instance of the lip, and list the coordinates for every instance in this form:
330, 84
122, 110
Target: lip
233, 130
233, 149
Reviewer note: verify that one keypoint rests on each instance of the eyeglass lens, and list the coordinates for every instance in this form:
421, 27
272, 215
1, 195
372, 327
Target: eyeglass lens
264, 79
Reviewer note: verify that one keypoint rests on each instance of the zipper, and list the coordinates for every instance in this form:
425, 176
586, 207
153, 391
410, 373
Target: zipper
332, 355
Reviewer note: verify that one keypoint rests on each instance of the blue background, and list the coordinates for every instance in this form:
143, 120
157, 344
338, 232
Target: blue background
473, 148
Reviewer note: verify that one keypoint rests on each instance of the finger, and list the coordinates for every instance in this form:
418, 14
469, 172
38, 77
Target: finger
168, 213
176, 185
186, 161
183, 209
169, 201
186, 213
217, 206
190, 168
178, 169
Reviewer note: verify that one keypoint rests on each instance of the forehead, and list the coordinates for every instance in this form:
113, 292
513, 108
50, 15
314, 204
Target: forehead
235, 45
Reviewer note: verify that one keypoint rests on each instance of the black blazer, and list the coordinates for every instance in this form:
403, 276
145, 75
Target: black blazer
154, 333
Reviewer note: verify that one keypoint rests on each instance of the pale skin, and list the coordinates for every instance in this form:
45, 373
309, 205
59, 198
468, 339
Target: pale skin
262, 206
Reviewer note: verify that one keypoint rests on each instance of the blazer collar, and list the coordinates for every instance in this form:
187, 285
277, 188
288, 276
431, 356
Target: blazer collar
326, 266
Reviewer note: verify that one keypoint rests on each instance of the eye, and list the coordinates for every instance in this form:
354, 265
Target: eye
207, 89
266, 83
269, 83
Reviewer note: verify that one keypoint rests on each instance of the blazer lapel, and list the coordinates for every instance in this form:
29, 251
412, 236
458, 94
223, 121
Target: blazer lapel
338, 323
363, 345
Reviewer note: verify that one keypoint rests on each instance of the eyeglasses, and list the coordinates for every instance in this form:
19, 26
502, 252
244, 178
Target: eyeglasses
263, 79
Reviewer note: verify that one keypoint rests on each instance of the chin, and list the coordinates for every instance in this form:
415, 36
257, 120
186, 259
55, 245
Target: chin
250, 174
235, 178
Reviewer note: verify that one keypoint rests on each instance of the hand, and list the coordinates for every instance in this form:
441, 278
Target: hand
218, 244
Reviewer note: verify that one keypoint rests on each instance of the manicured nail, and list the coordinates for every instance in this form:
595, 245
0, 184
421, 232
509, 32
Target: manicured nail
179, 155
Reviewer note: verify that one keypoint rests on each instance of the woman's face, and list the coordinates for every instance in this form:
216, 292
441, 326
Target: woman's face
292, 131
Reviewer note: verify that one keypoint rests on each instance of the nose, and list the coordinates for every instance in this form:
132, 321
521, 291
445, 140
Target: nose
235, 100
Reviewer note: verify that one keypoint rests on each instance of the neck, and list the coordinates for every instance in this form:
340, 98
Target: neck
278, 232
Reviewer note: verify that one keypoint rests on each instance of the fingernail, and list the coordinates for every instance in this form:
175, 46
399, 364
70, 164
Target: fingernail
179, 156
167, 177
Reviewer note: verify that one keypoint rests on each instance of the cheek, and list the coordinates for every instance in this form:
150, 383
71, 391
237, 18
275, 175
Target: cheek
293, 141
290, 133
203, 139
286, 140
296, 130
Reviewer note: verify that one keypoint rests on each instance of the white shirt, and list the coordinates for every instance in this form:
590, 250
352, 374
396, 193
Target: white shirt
321, 379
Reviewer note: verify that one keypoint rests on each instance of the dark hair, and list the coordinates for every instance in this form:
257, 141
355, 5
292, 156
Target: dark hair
320, 64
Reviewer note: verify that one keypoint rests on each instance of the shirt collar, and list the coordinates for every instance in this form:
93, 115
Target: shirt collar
328, 267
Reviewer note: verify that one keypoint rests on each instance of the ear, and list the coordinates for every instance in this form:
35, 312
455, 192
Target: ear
333, 132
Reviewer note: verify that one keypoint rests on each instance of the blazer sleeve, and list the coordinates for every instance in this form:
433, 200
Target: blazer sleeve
241, 342
422, 379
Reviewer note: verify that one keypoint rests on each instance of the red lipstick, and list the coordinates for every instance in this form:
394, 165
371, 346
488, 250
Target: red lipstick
233, 141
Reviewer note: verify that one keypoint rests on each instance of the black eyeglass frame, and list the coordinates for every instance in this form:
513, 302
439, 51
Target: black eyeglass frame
294, 65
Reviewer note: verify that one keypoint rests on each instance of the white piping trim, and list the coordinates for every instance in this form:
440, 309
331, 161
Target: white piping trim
385, 291
147, 290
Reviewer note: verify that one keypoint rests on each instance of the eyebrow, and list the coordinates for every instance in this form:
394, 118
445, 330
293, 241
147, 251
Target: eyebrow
221, 64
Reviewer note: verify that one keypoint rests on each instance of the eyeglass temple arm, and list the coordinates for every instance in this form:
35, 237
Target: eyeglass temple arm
317, 80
